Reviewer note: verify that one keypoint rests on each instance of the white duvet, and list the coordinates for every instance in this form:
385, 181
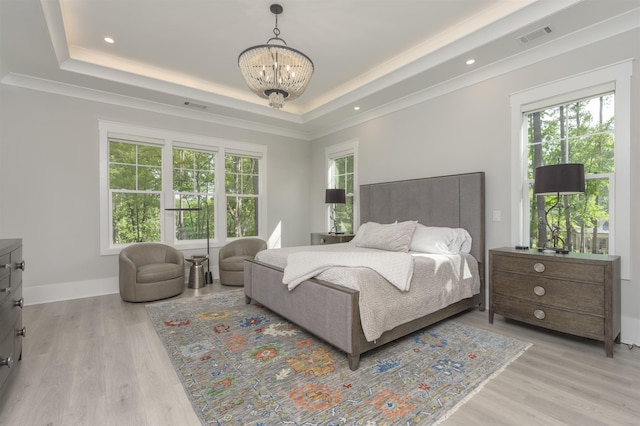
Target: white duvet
395, 267
437, 281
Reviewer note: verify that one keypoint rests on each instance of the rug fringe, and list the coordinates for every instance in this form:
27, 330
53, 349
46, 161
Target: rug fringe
479, 387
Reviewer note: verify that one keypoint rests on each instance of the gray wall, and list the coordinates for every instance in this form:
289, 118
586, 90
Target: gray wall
49, 186
470, 130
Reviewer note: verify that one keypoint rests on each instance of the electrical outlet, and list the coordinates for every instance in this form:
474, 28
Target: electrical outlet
496, 215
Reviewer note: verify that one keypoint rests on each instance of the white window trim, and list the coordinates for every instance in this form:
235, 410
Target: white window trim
336, 151
168, 139
566, 89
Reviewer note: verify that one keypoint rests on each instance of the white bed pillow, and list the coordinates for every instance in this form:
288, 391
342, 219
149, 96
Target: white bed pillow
359, 234
391, 237
440, 240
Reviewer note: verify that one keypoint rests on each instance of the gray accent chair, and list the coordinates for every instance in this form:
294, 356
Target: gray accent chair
232, 256
150, 271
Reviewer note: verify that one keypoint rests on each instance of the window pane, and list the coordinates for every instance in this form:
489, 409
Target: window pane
241, 175
343, 178
149, 178
149, 155
193, 185
122, 176
242, 216
340, 166
120, 152
135, 217
192, 224
585, 215
182, 180
576, 132
349, 185
205, 181
343, 215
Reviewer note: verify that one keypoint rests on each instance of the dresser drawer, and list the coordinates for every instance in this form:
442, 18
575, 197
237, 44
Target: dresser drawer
6, 350
5, 274
17, 266
548, 267
584, 325
9, 312
551, 292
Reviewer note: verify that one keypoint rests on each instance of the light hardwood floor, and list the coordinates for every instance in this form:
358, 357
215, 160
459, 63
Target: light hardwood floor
98, 361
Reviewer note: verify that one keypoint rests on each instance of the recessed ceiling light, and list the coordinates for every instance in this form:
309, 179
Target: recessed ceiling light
356, 108
470, 61
109, 40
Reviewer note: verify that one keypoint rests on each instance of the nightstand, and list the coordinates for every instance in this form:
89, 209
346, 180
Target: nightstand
573, 293
324, 238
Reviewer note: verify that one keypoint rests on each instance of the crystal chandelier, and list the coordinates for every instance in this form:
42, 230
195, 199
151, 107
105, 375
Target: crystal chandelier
275, 71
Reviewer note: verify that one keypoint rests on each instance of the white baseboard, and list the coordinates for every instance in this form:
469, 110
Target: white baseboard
35, 295
67, 291
630, 330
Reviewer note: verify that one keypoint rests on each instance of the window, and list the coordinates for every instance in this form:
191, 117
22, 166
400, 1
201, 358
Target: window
580, 131
583, 119
135, 187
159, 186
194, 193
342, 160
242, 184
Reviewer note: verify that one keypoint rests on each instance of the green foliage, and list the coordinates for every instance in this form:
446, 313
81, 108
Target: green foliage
242, 189
136, 217
578, 132
135, 179
343, 176
194, 186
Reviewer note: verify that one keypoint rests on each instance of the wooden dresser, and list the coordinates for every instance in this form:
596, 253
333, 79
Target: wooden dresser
325, 238
573, 293
11, 303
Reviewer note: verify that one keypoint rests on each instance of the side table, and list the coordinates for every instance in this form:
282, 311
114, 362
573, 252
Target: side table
318, 238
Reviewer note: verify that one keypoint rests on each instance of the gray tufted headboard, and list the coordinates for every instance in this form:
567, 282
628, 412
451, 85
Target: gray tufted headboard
456, 201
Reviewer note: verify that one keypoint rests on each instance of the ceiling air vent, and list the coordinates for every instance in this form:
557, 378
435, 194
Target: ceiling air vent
535, 34
194, 105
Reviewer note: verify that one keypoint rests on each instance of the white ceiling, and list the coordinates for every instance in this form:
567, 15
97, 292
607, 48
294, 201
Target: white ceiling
367, 53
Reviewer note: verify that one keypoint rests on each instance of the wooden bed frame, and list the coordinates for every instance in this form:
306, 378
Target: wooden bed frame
332, 312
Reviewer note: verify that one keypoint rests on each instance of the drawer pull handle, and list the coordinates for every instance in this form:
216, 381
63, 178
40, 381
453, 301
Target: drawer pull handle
19, 303
20, 265
5, 266
539, 267
8, 361
22, 332
539, 313
539, 291
5, 290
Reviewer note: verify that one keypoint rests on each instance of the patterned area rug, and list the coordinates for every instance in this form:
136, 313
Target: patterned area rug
243, 364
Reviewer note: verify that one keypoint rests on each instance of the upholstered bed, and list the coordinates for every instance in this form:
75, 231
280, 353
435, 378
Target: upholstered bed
336, 313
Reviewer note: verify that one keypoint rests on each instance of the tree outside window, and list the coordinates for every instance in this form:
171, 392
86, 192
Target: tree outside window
135, 184
242, 184
343, 178
575, 132
194, 188
148, 175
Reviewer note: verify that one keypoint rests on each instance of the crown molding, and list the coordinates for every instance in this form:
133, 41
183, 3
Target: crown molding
601, 31
54, 87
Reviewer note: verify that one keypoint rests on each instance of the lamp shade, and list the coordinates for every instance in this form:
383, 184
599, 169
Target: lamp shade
335, 196
559, 179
